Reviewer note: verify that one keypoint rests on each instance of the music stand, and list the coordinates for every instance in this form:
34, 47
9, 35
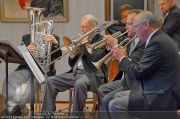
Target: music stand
9, 54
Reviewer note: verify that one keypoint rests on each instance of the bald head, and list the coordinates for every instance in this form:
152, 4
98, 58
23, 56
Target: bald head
165, 5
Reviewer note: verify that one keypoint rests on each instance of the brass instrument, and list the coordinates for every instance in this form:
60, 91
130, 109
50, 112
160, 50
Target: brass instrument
109, 57
43, 46
37, 31
101, 43
71, 45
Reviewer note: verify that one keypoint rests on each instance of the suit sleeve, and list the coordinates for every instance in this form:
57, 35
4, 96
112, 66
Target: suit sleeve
96, 54
58, 53
148, 64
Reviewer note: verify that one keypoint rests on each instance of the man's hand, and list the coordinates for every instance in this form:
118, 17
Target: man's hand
119, 53
110, 41
51, 39
32, 47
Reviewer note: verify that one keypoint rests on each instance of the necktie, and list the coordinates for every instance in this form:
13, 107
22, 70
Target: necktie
132, 46
76, 65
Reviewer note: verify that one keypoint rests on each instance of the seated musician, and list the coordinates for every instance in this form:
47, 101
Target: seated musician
19, 79
83, 76
123, 10
157, 71
135, 50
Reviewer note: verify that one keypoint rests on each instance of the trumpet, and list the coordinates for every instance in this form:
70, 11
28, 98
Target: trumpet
101, 43
109, 57
72, 45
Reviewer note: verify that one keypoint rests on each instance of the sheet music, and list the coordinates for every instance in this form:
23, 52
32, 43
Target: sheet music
32, 64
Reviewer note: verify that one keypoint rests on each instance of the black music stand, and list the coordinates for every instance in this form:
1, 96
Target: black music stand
10, 54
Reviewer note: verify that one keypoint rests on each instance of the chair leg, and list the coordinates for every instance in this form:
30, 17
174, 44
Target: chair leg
38, 100
94, 109
70, 99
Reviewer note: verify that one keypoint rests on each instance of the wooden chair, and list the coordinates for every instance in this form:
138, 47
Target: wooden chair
94, 101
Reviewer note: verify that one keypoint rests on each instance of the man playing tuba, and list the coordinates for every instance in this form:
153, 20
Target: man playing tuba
19, 79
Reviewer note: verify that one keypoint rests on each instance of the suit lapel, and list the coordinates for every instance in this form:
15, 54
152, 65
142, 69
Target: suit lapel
133, 47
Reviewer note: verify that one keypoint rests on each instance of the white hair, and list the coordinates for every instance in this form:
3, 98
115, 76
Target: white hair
91, 19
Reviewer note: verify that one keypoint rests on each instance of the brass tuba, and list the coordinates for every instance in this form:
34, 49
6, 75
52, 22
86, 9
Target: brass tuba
37, 31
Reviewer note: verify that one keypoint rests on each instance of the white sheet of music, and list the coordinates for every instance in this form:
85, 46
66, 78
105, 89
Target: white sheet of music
32, 64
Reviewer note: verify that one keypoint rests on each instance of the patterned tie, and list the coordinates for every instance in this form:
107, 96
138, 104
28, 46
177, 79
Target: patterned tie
132, 46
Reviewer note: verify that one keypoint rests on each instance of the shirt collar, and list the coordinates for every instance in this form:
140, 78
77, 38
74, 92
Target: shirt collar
150, 36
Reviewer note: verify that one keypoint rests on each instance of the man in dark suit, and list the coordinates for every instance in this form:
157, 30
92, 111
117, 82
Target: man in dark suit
83, 76
19, 79
157, 72
171, 26
135, 51
171, 22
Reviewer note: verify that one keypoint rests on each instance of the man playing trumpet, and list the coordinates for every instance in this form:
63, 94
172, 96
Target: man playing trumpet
157, 71
134, 52
83, 76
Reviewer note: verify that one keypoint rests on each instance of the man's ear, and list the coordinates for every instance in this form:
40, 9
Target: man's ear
146, 24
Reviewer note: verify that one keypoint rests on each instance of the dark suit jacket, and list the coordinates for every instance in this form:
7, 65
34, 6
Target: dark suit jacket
128, 82
171, 25
135, 56
157, 71
97, 77
26, 40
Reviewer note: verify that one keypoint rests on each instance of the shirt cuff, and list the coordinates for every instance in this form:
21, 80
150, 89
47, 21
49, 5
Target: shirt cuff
121, 58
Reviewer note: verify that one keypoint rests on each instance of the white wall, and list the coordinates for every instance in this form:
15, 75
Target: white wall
77, 9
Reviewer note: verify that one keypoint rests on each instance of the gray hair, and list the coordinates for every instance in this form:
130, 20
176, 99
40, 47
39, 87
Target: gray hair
91, 19
147, 16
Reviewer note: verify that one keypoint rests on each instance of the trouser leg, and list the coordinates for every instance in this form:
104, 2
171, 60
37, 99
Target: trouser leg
118, 107
106, 93
54, 85
81, 88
